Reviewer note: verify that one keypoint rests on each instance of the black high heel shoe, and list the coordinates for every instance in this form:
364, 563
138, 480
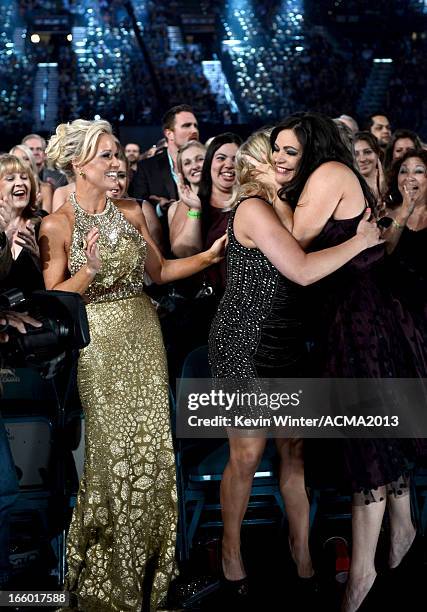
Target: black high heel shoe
372, 597
409, 559
310, 584
236, 590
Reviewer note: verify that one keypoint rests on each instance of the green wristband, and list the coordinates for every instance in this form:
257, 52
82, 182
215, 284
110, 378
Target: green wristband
195, 214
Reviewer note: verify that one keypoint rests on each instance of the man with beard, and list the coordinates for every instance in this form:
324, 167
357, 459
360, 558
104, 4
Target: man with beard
380, 127
155, 179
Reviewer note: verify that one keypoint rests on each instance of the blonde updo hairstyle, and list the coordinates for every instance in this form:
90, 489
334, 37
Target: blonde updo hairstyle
10, 164
248, 183
75, 143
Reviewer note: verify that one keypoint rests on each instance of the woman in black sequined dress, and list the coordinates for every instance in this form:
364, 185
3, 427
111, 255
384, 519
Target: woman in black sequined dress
257, 333
359, 334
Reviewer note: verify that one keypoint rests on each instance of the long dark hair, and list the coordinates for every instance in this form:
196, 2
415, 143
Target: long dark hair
370, 139
321, 142
205, 187
393, 196
388, 155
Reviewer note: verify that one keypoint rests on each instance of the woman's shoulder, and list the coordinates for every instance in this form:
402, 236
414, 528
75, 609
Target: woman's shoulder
332, 177
46, 187
332, 169
59, 220
132, 211
129, 205
251, 207
253, 200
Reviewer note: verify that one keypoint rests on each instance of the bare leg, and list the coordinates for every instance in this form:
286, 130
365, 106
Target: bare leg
402, 531
366, 525
292, 488
236, 484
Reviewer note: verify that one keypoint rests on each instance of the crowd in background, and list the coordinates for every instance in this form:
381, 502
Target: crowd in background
184, 189
374, 150
308, 68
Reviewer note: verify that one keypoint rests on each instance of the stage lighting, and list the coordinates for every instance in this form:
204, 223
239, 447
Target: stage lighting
35, 38
69, 37
232, 43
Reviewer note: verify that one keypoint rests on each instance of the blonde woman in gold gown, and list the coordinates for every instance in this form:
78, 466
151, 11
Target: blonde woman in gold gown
121, 543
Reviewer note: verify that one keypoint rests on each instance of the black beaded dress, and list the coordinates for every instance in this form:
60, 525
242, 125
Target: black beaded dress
257, 331
359, 336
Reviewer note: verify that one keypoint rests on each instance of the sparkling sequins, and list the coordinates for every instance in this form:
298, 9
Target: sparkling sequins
126, 511
122, 251
257, 328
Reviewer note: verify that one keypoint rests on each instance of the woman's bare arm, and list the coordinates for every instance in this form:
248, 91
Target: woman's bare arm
163, 270
185, 232
327, 189
256, 223
53, 254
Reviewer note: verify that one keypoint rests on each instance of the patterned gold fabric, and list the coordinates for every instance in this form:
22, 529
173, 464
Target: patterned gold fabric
121, 542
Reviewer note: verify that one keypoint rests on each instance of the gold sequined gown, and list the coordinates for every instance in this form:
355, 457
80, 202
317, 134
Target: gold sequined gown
121, 542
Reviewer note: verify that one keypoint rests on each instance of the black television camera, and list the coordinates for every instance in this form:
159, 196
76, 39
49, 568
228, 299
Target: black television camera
64, 328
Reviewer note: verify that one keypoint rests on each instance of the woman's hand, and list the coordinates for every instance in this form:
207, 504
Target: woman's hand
18, 320
410, 196
5, 213
369, 231
91, 249
187, 195
217, 250
26, 238
265, 170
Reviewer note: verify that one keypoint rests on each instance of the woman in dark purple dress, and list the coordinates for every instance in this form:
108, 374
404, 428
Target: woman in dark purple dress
407, 240
360, 333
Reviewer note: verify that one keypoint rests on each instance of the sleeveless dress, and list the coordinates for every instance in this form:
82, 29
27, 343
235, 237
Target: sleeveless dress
406, 276
257, 332
359, 336
121, 543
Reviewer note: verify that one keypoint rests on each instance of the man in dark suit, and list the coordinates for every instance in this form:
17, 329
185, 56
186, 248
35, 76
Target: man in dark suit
155, 179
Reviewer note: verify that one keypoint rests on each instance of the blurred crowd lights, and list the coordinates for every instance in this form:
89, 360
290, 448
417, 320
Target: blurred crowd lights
35, 38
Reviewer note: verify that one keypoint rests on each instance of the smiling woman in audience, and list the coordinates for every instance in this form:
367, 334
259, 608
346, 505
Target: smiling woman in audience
368, 159
121, 543
20, 220
183, 231
44, 189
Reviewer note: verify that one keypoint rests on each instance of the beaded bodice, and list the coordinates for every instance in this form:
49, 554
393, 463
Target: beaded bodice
257, 328
122, 251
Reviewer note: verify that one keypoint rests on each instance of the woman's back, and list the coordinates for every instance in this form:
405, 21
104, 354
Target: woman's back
257, 331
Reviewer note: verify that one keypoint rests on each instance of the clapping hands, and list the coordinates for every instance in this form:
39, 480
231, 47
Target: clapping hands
91, 249
5, 213
187, 195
